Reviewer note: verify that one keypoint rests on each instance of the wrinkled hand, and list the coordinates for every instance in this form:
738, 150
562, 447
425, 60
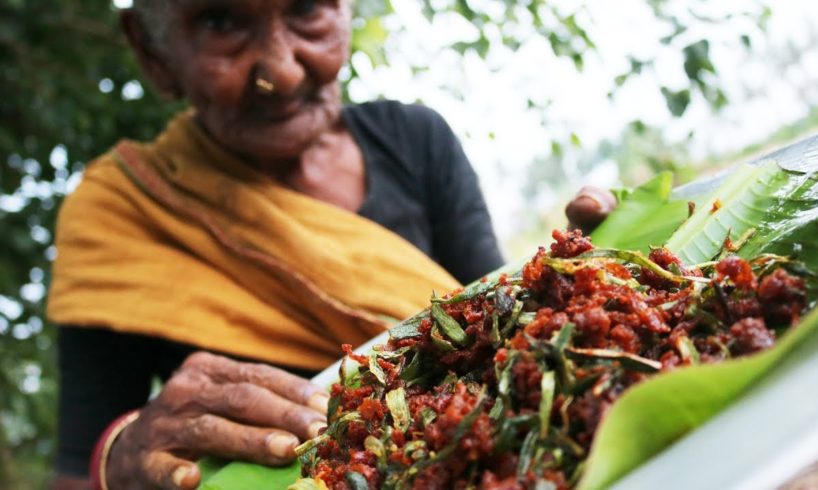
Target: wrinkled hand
214, 406
589, 208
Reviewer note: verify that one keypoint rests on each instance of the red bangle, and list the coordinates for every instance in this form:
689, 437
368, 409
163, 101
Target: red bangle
99, 458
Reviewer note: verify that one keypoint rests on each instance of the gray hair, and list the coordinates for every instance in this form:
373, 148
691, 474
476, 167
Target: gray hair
154, 15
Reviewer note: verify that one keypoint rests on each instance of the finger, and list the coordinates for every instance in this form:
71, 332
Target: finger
289, 386
216, 436
166, 471
252, 404
590, 207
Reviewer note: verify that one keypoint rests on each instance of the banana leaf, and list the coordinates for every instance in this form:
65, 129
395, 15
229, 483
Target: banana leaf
770, 209
218, 475
771, 205
645, 216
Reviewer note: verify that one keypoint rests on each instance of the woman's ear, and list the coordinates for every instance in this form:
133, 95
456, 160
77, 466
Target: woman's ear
148, 54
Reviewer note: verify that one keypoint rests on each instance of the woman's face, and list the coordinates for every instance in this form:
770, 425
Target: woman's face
216, 50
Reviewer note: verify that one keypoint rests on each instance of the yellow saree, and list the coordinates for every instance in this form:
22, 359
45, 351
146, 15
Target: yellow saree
178, 239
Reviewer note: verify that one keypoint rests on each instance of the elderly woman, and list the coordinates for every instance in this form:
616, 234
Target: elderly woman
269, 223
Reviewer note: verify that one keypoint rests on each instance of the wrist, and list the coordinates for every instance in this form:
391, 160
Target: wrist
102, 450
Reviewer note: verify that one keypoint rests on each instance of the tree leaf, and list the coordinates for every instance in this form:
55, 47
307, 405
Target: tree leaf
677, 101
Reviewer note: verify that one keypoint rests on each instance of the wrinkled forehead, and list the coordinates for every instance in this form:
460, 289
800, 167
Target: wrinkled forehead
167, 5
195, 3
160, 15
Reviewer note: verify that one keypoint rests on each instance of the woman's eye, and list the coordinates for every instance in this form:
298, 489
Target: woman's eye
218, 20
304, 8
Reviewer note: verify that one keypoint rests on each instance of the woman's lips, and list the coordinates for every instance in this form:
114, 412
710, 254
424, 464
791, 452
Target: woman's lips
282, 107
280, 110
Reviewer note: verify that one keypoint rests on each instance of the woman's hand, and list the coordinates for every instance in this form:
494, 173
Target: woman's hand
214, 406
589, 208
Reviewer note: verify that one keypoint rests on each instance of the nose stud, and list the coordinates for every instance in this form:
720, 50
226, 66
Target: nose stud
265, 87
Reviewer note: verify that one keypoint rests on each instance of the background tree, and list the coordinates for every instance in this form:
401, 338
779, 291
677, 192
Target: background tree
71, 89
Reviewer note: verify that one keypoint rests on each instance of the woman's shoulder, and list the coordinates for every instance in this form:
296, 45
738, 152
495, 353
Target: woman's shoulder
99, 172
103, 194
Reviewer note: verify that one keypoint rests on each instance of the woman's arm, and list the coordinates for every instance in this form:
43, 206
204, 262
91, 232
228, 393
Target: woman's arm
210, 406
103, 374
66, 482
214, 406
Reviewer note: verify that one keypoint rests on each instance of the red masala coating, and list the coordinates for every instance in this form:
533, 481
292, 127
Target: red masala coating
569, 244
665, 259
372, 410
626, 338
663, 322
782, 297
546, 323
751, 335
739, 271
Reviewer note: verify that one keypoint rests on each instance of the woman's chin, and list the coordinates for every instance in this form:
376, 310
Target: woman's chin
279, 140
268, 150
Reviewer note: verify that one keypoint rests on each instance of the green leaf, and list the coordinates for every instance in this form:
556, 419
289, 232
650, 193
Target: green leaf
408, 329
246, 476
307, 484
697, 60
630, 361
375, 446
440, 342
677, 101
687, 350
777, 203
396, 402
468, 293
646, 216
527, 453
548, 385
370, 38
632, 258
449, 325
357, 481
564, 336
377, 370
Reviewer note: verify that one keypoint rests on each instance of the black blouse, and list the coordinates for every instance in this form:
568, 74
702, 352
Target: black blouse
420, 185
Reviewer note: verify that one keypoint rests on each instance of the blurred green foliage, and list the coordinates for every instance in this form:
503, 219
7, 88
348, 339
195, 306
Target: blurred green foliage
70, 90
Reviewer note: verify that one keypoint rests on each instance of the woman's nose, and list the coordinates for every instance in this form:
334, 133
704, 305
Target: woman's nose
279, 61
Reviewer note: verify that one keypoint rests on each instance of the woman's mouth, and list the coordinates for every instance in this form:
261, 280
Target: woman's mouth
279, 110
282, 107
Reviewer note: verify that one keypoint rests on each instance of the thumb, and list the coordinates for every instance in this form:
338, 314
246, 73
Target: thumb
590, 207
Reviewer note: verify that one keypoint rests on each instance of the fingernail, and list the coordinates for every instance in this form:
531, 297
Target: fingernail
281, 445
316, 428
603, 198
180, 474
319, 402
